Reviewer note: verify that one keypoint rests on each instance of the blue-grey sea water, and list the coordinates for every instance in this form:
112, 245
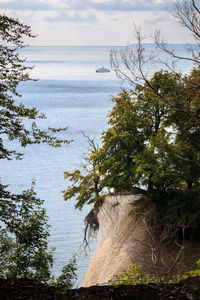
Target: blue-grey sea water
71, 94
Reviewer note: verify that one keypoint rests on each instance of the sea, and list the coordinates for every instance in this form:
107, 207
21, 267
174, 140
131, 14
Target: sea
71, 94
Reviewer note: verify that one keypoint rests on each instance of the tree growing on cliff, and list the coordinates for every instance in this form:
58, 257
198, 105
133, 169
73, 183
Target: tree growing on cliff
86, 183
153, 134
120, 143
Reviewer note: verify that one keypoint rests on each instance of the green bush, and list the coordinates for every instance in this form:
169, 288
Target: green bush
134, 274
68, 277
196, 272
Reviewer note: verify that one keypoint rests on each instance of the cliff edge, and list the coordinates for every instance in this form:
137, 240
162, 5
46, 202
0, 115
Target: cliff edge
123, 240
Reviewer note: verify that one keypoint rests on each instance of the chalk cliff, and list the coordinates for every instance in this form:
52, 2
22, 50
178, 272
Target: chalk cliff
123, 240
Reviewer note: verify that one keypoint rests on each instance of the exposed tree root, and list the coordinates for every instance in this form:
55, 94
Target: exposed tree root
91, 225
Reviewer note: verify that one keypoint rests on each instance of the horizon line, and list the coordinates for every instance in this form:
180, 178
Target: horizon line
129, 44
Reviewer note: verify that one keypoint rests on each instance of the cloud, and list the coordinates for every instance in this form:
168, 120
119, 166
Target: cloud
29, 5
157, 19
74, 18
92, 22
120, 5
101, 5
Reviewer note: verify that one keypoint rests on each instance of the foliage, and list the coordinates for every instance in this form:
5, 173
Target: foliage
168, 115
152, 140
24, 241
24, 230
133, 275
143, 117
68, 277
179, 207
86, 183
13, 71
121, 142
195, 272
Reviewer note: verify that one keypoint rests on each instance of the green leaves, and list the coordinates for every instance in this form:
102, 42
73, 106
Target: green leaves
133, 275
13, 71
24, 240
24, 230
68, 277
152, 141
12, 31
86, 185
24, 234
121, 142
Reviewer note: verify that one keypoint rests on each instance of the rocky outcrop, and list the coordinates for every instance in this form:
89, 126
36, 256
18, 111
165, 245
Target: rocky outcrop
123, 240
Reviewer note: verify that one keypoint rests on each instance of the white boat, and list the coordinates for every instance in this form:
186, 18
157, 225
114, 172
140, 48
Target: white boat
102, 70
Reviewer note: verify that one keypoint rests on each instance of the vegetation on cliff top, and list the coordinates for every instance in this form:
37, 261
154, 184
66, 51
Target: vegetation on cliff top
135, 274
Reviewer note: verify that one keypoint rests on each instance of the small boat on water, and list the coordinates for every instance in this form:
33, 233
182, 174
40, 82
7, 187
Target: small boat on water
102, 70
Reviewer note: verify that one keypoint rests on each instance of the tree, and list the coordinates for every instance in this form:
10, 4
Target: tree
13, 71
152, 133
121, 143
188, 14
87, 188
24, 251
86, 183
134, 63
68, 277
152, 140
23, 222
168, 113
24, 241
154, 128
178, 96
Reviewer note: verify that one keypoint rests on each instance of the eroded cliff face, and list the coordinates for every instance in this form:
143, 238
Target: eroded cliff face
123, 240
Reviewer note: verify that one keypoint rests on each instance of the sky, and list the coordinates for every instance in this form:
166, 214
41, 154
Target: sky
94, 22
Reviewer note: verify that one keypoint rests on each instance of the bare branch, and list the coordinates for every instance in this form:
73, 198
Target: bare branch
188, 15
163, 46
132, 63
